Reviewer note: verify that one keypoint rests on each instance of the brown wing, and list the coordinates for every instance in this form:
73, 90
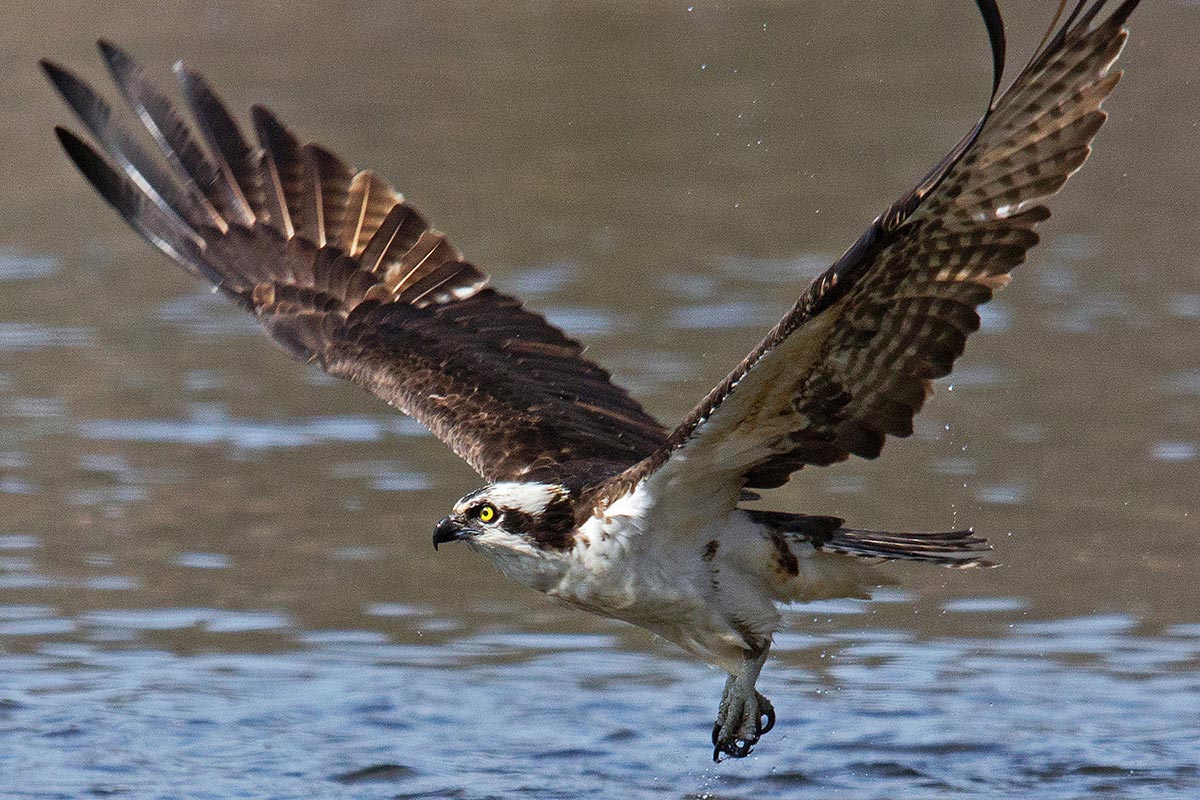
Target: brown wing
853, 360
341, 271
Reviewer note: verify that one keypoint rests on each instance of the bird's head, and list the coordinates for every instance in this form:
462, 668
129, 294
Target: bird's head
512, 520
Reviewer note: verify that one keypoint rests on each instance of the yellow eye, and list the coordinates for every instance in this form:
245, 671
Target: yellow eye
487, 513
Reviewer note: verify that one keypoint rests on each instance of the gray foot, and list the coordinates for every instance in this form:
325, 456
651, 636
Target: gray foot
743, 718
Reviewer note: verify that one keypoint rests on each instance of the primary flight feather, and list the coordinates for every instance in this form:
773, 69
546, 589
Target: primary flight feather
589, 498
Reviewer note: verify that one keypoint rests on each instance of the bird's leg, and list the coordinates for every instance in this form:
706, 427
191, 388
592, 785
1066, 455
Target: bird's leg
744, 715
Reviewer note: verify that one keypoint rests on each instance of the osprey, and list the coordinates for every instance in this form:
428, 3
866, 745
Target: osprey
589, 498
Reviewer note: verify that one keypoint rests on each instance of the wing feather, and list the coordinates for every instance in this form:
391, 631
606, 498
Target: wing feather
205, 183
369, 201
852, 362
238, 162
341, 271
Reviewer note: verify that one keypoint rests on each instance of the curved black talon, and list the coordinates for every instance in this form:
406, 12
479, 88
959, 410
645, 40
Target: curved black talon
768, 712
739, 748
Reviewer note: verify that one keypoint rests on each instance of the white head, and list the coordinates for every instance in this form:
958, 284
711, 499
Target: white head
526, 529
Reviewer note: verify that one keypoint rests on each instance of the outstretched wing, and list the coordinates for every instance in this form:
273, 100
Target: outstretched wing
853, 360
342, 271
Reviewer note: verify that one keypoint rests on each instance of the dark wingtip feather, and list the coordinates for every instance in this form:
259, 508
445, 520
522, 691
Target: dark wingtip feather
89, 107
229, 147
119, 62
292, 207
111, 186
261, 115
67, 83
993, 22
151, 221
49, 67
1121, 15
110, 51
273, 135
199, 92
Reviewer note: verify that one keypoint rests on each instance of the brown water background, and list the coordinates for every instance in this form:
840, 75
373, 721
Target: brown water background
215, 571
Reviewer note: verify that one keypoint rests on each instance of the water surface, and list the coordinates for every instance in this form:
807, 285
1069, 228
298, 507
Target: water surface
215, 572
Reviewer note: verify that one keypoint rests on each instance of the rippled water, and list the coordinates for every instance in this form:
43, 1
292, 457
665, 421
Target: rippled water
215, 576
1060, 707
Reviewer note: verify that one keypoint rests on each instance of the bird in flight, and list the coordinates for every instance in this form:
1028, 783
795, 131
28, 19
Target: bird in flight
588, 498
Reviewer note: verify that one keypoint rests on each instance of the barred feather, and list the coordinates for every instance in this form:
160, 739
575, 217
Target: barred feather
343, 272
853, 361
958, 549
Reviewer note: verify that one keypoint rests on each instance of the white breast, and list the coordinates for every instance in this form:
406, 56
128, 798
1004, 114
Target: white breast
625, 566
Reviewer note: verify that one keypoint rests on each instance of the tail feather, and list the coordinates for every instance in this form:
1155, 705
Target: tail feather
959, 549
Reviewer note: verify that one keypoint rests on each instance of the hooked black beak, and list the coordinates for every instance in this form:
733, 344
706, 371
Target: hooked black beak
447, 530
